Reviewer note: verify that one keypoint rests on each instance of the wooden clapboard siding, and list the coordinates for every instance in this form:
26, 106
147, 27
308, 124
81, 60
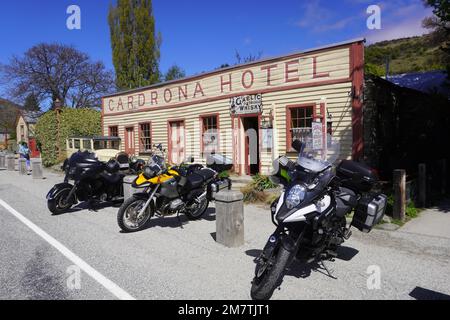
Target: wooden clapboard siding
331, 85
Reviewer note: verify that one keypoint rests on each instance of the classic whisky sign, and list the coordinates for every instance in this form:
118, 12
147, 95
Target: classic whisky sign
248, 80
246, 104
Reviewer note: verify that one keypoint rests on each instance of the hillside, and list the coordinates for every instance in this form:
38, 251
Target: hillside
414, 54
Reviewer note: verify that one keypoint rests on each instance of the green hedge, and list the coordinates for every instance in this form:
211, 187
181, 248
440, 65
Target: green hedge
73, 122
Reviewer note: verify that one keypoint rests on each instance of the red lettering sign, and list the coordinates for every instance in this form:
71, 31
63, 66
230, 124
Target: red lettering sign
269, 72
252, 79
168, 93
199, 89
289, 71
222, 83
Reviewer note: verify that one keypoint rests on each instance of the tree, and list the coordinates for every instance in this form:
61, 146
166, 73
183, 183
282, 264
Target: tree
58, 72
440, 26
31, 103
8, 114
247, 59
174, 72
135, 46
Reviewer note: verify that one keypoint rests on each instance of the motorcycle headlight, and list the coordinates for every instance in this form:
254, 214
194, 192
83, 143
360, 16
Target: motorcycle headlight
295, 196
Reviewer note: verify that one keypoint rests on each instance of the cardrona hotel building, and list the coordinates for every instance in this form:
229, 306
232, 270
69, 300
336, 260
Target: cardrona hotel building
282, 98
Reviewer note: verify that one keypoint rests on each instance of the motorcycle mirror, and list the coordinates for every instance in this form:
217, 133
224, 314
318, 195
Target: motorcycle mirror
298, 146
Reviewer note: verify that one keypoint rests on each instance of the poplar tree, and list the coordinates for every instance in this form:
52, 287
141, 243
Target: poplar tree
135, 44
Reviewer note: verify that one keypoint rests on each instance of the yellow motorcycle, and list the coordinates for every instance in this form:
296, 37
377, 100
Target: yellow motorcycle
166, 191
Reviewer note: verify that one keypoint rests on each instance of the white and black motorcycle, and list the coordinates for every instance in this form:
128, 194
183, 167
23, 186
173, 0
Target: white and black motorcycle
310, 214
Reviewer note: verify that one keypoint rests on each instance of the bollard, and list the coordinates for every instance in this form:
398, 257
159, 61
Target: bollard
399, 195
22, 166
230, 218
2, 161
128, 190
36, 167
10, 163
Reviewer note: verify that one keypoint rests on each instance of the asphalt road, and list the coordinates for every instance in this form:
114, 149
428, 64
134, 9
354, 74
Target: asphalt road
166, 261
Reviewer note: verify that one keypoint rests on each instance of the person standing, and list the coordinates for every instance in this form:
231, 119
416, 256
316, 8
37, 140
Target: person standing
24, 152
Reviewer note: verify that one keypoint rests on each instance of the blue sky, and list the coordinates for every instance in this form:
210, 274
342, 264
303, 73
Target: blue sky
200, 35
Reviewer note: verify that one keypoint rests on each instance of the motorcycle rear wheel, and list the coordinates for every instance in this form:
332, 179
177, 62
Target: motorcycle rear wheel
127, 213
264, 284
197, 212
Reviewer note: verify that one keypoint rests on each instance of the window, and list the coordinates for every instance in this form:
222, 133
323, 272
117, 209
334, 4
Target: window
22, 132
87, 144
114, 132
299, 124
77, 143
210, 134
145, 137
70, 144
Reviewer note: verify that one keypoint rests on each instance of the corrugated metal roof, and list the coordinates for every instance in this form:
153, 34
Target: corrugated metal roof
427, 82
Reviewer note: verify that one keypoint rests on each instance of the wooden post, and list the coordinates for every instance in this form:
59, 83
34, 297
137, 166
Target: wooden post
10, 163
230, 218
36, 167
422, 185
399, 195
22, 166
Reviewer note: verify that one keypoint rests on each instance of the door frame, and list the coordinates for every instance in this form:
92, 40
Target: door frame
126, 140
241, 127
169, 136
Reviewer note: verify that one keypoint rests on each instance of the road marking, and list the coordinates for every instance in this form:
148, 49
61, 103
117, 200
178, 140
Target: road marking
97, 276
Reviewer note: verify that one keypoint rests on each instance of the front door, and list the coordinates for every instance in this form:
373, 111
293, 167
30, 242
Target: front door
129, 141
176, 142
251, 147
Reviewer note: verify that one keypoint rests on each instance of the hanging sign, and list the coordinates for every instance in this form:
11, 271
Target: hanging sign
317, 135
246, 104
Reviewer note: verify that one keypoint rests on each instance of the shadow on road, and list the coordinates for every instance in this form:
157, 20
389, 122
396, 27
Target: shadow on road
300, 269
425, 294
444, 206
177, 222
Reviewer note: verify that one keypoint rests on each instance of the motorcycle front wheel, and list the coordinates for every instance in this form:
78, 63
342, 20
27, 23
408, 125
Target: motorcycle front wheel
60, 204
128, 217
269, 273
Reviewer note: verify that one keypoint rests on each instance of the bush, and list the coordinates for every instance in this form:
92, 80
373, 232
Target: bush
255, 190
261, 183
73, 122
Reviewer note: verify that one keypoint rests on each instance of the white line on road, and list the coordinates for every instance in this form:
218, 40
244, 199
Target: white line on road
97, 276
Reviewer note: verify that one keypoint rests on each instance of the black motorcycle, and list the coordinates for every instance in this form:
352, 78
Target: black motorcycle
94, 181
310, 215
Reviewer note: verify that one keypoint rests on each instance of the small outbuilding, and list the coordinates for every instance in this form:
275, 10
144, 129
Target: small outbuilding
25, 125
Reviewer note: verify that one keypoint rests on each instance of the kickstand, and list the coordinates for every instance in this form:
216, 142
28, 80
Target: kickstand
329, 272
179, 220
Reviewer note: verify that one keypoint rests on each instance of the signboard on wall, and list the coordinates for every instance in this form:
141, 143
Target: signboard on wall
317, 135
248, 104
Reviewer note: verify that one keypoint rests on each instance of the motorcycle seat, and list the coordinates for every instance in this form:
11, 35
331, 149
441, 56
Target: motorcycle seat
207, 174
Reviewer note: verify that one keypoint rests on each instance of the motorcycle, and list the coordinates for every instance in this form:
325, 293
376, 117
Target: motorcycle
310, 214
94, 181
187, 188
